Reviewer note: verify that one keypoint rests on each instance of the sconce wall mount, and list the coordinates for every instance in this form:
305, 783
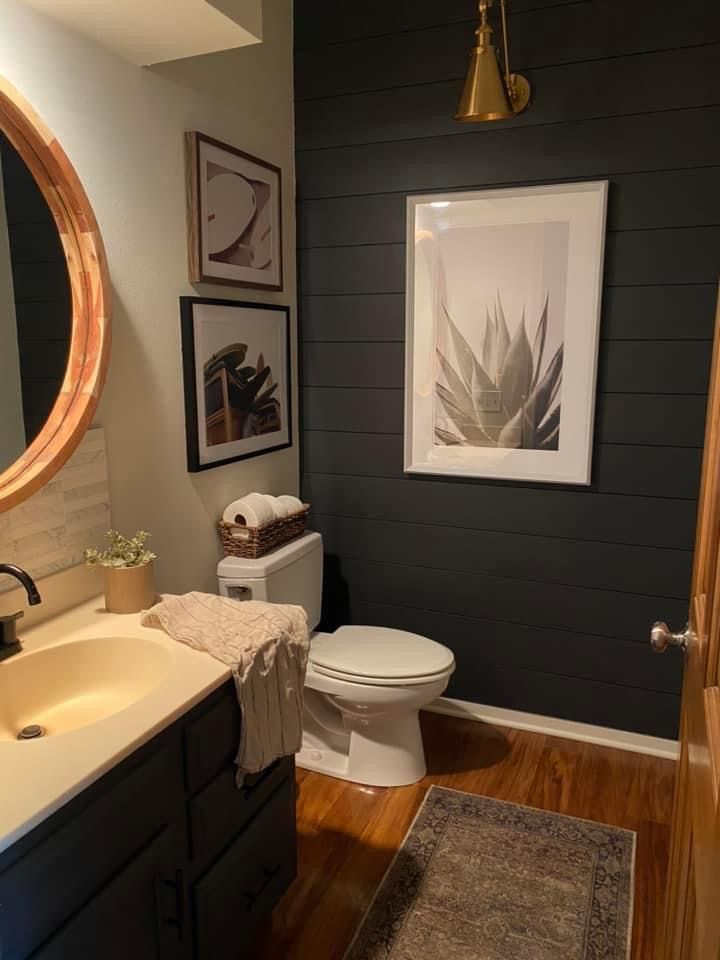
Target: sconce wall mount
489, 94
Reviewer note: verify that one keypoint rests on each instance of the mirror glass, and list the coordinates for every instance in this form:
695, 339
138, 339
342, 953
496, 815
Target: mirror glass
35, 307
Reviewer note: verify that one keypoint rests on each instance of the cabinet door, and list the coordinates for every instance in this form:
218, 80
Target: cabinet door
46, 879
139, 915
246, 882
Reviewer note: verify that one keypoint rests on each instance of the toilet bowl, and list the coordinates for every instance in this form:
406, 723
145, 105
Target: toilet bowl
364, 686
363, 691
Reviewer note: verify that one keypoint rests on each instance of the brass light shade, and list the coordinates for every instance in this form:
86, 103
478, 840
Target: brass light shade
488, 95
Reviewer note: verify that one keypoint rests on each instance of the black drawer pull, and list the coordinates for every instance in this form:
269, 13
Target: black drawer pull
176, 917
247, 791
268, 877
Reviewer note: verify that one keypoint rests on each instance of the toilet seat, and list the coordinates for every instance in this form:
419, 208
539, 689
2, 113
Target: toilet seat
380, 656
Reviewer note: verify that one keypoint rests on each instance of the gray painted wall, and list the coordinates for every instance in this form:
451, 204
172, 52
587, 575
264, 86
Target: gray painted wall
545, 593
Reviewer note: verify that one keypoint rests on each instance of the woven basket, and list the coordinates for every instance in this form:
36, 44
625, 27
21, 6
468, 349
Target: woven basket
253, 542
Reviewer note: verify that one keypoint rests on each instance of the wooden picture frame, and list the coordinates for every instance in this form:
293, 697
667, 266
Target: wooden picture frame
234, 206
237, 379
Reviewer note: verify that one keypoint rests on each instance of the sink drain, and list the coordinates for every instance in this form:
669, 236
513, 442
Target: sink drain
31, 732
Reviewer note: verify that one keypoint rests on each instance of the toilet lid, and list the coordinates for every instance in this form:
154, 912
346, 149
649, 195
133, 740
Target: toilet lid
380, 653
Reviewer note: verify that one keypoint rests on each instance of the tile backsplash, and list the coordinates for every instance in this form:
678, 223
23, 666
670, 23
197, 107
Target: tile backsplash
49, 532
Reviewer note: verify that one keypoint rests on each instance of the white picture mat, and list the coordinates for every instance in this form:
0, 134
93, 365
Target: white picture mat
583, 207
264, 331
210, 153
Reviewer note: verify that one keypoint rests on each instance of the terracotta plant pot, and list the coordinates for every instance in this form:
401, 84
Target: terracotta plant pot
129, 589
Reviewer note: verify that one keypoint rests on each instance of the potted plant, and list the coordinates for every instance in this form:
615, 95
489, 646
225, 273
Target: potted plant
127, 571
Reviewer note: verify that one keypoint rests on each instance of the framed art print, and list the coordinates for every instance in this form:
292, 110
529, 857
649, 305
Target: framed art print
503, 317
236, 367
234, 216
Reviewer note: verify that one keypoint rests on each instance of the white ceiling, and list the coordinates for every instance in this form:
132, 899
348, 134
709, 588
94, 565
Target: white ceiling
152, 31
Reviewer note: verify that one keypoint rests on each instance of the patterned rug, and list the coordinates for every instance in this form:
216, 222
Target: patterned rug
481, 879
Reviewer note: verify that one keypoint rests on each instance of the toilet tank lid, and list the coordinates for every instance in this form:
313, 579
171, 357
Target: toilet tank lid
239, 568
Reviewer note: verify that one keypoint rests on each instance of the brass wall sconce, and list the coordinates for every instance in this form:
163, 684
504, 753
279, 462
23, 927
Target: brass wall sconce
488, 94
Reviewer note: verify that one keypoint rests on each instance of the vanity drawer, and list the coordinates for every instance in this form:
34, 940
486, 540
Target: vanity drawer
75, 857
248, 880
212, 739
221, 810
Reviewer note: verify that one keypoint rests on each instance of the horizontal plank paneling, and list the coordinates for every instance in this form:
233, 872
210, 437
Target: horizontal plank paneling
40, 320
626, 366
368, 316
41, 359
557, 652
318, 22
366, 269
586, 701
539, 589
681, 255
352, 409
556, 606
667, 80
690, 199
45, 282
654, 366
672, 472
611, 28
576, 514
654, 419
353, 364
581, 150
660, 312
617, 567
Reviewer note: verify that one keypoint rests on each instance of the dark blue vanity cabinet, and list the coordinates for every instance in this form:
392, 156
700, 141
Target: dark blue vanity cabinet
161, 859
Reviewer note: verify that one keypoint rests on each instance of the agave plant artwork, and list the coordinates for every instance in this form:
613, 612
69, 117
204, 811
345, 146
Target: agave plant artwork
508, 396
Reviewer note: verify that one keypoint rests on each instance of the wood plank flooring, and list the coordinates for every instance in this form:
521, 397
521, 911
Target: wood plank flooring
348, 834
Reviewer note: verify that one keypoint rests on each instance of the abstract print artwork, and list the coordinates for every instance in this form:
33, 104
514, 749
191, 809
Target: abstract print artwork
234, 216
237, 380
502, 332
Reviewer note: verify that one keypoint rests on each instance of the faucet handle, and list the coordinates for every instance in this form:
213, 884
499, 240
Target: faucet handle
8, 633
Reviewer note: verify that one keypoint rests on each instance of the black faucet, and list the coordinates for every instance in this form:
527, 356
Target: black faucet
9, 643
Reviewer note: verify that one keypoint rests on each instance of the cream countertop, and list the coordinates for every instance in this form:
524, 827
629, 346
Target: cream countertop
39, 776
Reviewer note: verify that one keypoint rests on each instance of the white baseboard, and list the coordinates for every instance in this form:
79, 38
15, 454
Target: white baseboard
587, 732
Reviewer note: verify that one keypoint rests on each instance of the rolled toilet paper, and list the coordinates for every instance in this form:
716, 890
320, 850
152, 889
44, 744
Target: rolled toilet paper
254, 510
292, 503
280, 509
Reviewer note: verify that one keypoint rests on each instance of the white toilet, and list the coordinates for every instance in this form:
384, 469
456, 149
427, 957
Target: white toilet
364, 686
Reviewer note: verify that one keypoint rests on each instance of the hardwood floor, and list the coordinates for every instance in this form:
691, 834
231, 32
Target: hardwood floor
348, 834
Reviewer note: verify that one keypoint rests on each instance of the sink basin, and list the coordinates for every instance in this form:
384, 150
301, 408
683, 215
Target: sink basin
74, 684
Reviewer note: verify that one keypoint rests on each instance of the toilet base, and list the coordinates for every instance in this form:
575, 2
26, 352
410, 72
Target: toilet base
384, 751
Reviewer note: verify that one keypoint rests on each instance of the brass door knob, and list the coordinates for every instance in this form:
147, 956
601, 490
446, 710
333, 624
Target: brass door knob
662, 637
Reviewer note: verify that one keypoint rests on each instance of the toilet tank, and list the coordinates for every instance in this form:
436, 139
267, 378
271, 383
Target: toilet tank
291, 574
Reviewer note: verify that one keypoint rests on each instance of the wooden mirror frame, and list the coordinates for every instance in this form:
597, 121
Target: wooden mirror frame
89, 352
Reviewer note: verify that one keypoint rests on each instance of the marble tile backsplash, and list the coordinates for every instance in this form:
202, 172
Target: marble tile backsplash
49, 532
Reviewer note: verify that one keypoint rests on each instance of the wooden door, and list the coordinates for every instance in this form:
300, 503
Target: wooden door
692, 927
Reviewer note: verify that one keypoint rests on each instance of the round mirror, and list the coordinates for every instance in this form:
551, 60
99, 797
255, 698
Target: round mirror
54, 301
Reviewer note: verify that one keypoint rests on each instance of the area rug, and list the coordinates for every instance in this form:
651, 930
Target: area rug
481, 879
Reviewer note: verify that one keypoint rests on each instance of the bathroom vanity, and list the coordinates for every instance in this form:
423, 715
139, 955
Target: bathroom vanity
162, 857
127, 837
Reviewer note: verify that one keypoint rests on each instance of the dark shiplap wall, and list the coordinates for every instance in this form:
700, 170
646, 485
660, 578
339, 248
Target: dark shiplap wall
42, 290
545, 593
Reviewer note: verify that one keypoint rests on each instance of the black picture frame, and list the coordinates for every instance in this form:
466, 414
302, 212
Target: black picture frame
188, 320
